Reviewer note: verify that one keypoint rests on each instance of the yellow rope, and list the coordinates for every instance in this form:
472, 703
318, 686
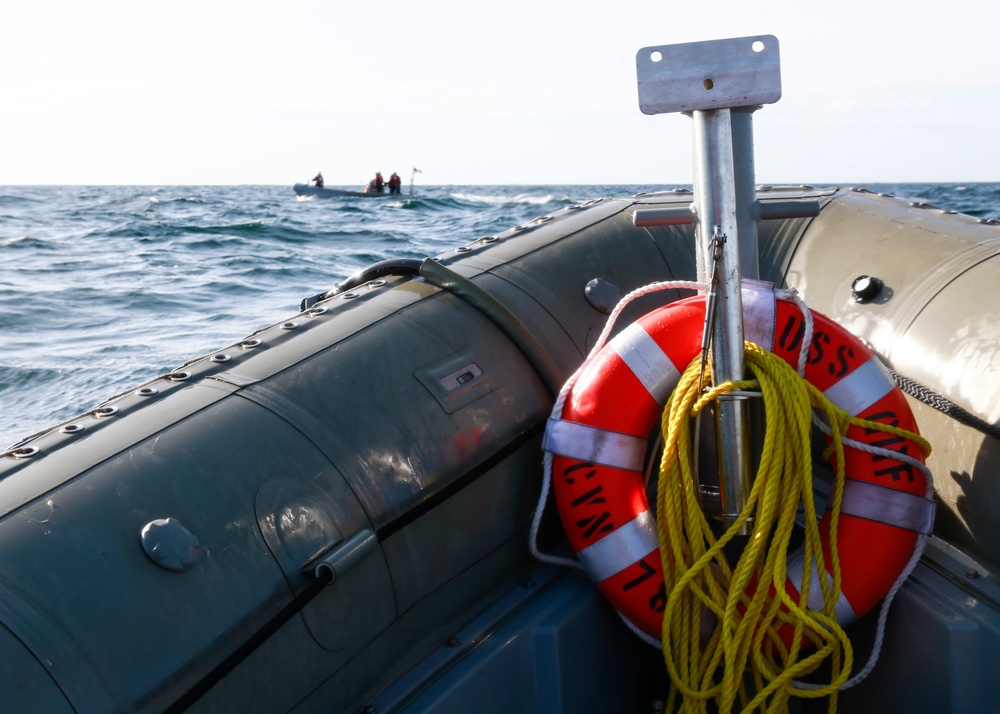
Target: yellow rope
720, 643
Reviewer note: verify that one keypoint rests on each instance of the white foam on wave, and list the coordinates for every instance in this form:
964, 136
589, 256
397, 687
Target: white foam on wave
499, 200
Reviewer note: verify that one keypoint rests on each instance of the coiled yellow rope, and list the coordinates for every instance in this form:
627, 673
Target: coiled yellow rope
720, 632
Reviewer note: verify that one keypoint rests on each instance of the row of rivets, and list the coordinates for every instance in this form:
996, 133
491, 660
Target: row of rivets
924, 204
24, 452
108, 410
181, 376
533, 223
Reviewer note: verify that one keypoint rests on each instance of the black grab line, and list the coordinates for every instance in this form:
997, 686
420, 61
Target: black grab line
325, 576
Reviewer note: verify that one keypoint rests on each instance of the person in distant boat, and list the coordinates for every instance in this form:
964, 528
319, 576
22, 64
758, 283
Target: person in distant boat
377, 184
394, 183
318, 180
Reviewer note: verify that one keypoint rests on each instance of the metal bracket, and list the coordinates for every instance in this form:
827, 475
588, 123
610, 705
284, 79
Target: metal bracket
737, 72
714, 82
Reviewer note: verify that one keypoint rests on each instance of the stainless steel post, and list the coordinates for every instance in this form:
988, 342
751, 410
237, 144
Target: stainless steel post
711, 80
746, 190
715, 206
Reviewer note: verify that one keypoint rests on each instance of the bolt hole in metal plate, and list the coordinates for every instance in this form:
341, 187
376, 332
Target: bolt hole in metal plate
737, 72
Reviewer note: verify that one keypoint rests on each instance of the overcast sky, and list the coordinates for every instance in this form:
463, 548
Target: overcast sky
514, 92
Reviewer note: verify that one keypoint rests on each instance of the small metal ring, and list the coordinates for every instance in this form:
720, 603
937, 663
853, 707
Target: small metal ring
146, 391
71, 428
178, 376
316, 311
24, 452
250, 343
290, 325
221, 357
348, 296
488, 239
376, 283
462, 249
105, 411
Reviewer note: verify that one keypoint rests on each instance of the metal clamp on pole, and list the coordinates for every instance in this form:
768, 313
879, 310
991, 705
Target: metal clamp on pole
719, 83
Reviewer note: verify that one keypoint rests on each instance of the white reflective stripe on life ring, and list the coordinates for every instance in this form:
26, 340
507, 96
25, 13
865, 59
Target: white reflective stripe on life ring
647, 361
843, 610
621, 548
590, 444
759, 313
861, 388
887, 505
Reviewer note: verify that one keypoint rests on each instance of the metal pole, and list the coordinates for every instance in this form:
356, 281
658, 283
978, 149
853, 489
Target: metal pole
719, 83
719, 264
746, 189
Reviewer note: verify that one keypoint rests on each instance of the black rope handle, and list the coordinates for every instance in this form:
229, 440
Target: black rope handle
944, 405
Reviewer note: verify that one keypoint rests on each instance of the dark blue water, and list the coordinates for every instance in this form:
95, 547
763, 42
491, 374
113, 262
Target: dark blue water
102, 288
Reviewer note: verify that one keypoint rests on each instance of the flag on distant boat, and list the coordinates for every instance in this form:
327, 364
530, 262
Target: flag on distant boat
416, 170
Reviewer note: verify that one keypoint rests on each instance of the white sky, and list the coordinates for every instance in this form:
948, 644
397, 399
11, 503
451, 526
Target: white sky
513, 92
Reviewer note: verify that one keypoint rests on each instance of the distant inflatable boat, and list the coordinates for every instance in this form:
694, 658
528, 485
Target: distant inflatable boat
302, 189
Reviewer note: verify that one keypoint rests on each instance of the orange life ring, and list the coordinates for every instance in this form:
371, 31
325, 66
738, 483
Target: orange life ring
599, 445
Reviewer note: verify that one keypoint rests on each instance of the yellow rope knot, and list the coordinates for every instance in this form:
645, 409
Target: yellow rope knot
721, 625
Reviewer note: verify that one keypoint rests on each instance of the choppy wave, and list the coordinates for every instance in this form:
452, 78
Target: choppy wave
104, 287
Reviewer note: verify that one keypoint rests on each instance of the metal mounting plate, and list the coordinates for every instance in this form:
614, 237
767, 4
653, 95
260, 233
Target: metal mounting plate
737, 72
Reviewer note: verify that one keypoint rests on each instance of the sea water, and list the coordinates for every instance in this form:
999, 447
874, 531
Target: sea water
105, 287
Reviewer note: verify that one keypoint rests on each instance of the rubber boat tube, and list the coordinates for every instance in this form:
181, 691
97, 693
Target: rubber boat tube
144, 540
